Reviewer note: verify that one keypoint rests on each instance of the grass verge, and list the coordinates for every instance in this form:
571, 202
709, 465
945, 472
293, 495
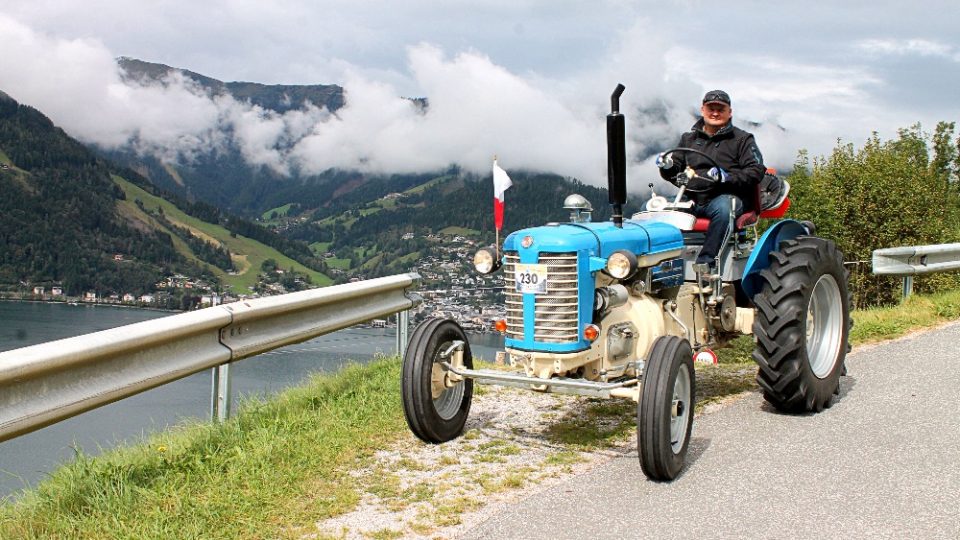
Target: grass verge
281, 466
271, 472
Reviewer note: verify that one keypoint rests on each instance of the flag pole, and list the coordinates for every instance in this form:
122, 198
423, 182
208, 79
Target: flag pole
496, 245
501, 181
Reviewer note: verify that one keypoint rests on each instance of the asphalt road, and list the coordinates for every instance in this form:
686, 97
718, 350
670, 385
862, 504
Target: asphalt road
883, 462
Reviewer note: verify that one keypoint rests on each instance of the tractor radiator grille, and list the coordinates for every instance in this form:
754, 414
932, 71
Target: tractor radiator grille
556, 312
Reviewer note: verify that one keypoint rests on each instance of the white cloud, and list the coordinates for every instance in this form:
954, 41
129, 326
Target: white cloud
528, 81
477, 109
904, 47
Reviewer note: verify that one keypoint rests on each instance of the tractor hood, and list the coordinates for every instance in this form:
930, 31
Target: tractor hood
598, 239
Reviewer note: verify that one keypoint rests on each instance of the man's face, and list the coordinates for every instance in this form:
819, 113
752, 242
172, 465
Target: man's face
716, 115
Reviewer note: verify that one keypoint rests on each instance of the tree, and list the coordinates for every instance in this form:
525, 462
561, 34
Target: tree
886, 194
945, 154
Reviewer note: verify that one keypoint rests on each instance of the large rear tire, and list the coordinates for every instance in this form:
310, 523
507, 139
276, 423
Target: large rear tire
435, 413
802, 325
665, 410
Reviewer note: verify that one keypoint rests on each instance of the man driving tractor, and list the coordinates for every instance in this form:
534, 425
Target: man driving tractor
735, 180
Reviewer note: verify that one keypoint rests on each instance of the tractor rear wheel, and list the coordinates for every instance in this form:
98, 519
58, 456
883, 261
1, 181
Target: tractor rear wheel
435, 410
802, 325
665, 410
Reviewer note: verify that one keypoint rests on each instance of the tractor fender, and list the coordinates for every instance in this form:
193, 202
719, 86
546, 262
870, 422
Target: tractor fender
786, 229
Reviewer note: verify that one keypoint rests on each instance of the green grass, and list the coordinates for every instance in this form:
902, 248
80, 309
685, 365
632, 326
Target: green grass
19, 175
407, 258
372, 262
281, 466
915, 313
461, 231
319, 248
249, 254
280, 210
341, 264
424, 186
271, 472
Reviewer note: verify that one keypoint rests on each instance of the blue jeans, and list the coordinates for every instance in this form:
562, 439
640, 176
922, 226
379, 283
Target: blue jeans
718, 210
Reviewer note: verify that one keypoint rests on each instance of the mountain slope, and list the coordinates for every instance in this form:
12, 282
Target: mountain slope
57, 217
70, 218
395, 231
247, 255
276, 97
221, 176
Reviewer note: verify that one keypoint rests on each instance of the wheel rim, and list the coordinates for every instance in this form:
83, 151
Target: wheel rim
680, 410
824, 326
447, 404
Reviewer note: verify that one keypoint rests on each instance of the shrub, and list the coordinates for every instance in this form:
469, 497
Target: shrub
885, 194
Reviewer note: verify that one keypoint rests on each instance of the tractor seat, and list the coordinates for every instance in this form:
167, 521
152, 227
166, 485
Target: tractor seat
748, 218
771, 202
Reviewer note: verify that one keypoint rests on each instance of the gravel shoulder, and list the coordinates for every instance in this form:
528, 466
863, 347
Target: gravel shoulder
516, 443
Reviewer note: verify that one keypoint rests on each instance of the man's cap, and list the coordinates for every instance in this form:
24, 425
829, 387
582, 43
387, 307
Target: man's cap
716, 96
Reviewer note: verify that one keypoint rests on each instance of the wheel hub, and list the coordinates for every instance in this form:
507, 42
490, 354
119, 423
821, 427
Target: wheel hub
447, 397
679, 410
824, 322
678, 407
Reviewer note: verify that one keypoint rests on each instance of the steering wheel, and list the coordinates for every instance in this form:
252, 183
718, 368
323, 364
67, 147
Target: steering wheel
683, 178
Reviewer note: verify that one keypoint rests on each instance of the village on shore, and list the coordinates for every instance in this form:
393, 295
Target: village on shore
450, 289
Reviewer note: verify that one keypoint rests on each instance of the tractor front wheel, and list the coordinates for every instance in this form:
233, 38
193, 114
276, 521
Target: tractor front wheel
435, 406
802, 325
665, 410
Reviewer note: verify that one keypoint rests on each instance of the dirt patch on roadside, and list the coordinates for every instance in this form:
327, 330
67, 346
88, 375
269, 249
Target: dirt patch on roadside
417, 490
516, 443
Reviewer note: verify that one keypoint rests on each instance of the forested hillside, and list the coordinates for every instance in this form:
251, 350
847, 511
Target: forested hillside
66, 220
58, 222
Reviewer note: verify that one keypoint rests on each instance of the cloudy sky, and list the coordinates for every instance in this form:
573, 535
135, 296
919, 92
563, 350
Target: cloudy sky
527, 80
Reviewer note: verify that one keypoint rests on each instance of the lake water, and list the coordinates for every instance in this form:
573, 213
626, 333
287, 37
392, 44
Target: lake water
27, 459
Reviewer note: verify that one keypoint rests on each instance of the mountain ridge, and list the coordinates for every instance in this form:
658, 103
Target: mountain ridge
276, 97
66, 219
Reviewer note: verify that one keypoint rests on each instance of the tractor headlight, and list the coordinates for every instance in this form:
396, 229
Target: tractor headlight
622, 264
485, 261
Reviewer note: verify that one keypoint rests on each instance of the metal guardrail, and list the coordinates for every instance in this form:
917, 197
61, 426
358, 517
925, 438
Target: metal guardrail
909, 261
46, 383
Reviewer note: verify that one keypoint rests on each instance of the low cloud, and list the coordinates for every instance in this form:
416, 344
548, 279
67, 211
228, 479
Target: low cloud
477, 107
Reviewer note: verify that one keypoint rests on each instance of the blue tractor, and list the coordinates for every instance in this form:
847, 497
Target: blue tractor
618, 310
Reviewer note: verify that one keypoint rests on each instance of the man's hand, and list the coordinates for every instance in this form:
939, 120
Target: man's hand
718, 174
664, 161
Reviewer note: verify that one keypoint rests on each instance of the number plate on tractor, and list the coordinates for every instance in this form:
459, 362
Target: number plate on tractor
531, 278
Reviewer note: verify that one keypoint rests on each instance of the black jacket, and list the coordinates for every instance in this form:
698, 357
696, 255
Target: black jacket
733, 149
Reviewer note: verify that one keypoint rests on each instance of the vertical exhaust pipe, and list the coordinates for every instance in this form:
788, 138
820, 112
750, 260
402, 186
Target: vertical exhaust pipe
616, 157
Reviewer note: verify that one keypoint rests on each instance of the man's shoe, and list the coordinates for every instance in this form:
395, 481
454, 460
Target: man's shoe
702, 268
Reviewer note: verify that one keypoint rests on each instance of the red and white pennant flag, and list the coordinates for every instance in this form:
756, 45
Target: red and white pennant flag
501, 181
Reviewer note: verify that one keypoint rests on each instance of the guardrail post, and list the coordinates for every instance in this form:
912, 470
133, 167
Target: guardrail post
220, 397
403, 323
907, 286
